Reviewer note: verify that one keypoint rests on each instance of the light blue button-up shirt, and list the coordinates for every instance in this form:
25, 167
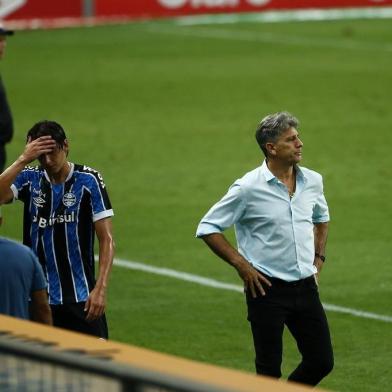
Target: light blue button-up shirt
274, 233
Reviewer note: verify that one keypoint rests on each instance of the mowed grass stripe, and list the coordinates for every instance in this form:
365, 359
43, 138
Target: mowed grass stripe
134, 265
267, 37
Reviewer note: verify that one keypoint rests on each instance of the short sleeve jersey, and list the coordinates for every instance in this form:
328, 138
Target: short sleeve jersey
58, 226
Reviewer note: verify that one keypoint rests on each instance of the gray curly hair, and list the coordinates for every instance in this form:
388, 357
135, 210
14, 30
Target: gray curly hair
272, 126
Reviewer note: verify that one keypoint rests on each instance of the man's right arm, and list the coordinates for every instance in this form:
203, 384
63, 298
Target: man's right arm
253, 279
40, 309
220, 217
32, 151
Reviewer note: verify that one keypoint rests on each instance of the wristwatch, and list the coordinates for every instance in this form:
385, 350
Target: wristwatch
322, 258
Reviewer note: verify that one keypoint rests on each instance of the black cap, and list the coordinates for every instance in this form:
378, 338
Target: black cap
4, 31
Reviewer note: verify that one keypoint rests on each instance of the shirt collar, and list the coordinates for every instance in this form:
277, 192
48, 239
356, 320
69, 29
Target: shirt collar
267, 172
269, 176
71, 170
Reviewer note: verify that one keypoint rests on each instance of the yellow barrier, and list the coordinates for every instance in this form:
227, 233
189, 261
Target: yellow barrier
139, 359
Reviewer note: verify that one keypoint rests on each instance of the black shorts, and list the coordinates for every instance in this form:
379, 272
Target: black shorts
73, 317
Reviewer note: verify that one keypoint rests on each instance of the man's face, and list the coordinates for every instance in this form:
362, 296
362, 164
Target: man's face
54, 161
288, 148
3, 44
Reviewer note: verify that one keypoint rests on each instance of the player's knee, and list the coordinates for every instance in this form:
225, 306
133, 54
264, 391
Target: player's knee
322, 367
327, 366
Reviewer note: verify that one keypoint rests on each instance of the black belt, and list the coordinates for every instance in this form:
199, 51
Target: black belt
300, 282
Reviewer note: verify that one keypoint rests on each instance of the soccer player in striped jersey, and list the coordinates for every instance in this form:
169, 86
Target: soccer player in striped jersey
65, 206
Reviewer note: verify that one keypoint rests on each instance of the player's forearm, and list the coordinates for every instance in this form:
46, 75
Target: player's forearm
42, 314
40, 310
106, 255
218, 243
8, 177
33, 150
320, 237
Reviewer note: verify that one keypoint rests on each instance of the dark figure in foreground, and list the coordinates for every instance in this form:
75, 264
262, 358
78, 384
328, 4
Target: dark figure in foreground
6, 123
281, 220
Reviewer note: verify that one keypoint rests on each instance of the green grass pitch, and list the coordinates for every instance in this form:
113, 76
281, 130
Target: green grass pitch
167, 114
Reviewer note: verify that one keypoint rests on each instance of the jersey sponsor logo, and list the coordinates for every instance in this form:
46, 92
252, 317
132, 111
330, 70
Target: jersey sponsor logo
38, 198
38, 202
64, 218
69, 199
173, 4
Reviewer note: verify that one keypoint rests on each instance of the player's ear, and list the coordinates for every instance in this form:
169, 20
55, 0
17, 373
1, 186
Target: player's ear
66, 147
270, 148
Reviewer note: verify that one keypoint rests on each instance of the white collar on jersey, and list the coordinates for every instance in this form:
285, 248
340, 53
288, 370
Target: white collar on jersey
71, 171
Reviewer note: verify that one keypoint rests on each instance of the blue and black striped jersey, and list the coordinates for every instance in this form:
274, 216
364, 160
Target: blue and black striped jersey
59, 227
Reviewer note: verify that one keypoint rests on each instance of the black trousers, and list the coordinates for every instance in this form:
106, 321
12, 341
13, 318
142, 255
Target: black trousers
296, 305
73, 317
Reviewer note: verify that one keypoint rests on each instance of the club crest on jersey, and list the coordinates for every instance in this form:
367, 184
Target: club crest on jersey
69, 199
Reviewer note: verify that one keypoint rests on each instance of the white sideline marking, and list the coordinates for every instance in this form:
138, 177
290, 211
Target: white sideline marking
178, 275
232, 287
289, 16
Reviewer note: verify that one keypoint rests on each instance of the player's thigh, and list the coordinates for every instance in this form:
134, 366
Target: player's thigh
310, 328
73, 317
267, 315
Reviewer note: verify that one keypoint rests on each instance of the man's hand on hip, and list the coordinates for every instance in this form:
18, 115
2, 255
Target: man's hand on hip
253, 279
318, 263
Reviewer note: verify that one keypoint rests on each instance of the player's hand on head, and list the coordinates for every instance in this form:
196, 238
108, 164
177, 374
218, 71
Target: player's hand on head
37, 147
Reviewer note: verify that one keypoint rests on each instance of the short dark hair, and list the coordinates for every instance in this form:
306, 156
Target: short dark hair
48, 128
272, 126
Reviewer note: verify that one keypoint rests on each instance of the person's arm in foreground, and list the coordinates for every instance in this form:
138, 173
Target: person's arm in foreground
32, 151
320, 241
252, 278
96, 302
40, 309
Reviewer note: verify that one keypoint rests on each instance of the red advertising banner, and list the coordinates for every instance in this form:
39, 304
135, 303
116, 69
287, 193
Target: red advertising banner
137, 9
43, 9
165, 8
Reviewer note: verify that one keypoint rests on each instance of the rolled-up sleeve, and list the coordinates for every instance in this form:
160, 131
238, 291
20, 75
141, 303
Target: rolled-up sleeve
224, 213
320, 209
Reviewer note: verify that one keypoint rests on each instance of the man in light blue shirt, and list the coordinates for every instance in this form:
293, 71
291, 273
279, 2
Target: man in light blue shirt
281, 219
